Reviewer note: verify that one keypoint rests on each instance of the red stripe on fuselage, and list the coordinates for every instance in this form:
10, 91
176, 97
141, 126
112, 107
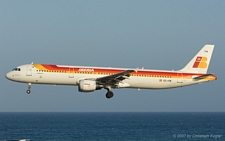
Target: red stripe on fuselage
111, 70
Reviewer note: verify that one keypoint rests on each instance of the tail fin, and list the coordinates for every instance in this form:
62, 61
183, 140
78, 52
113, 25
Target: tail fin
200, 63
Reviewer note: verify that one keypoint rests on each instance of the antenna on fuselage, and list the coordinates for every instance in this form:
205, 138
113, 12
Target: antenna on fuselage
136, 70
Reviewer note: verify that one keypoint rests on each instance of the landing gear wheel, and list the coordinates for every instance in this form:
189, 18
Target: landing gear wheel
28, 91
109, 94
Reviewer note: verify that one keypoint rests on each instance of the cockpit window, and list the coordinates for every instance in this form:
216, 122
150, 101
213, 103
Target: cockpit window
16, 69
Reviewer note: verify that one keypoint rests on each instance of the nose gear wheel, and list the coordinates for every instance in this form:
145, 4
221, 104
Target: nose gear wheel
29, 86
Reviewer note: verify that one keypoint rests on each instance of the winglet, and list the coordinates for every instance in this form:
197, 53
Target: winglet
200, 63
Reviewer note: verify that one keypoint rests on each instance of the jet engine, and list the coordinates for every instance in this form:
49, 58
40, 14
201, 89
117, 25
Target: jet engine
87, 86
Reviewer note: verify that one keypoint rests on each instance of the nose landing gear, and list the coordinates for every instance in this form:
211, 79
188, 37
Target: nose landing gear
29, 86
28, 91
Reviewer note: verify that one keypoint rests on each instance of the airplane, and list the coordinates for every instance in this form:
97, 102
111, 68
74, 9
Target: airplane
89, 79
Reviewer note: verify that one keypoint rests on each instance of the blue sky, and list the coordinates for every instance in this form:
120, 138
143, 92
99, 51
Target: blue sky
152, 34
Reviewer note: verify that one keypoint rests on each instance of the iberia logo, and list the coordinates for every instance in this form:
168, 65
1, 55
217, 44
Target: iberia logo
200, 62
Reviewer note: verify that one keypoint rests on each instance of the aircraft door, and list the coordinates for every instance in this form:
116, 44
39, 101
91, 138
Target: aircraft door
29, 70
71, 72
179, 77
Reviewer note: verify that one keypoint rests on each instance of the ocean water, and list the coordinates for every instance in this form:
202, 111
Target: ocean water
113, 126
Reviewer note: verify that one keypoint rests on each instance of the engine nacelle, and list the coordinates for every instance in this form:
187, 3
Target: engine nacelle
87, 85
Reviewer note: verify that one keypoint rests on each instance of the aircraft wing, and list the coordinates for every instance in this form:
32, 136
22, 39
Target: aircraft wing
113, 80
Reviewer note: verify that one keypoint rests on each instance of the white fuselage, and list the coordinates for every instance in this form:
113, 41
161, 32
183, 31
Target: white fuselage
89, 79
143, 79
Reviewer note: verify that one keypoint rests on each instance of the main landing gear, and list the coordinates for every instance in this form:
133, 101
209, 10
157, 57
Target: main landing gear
29, 86
109, 93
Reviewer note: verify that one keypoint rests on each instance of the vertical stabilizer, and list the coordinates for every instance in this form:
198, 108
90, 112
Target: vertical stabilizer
200, 63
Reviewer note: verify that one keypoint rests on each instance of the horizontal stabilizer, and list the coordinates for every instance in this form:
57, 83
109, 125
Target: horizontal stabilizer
201, 77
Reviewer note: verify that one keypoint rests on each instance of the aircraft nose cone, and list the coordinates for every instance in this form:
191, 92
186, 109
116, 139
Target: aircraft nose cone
8, 76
